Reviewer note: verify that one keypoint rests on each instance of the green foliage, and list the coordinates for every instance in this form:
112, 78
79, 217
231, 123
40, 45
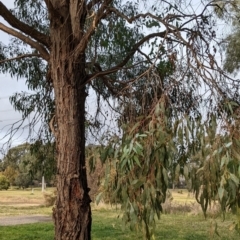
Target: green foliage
4, 183
13, 156
45, 162
232, 61
10, 173
32, 69
136, 170
26, 162
229, 12
138, 165
23, 180
212, 167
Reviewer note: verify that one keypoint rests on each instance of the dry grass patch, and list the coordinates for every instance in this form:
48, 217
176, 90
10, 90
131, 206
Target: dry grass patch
23, 197
23, 202
25, 210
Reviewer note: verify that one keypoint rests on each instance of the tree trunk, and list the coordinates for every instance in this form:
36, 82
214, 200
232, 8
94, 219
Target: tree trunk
72, 213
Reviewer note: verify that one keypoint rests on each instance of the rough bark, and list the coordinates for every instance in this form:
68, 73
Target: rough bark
72, 213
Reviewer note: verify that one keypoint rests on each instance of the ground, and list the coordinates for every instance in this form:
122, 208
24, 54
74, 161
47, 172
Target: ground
17, 220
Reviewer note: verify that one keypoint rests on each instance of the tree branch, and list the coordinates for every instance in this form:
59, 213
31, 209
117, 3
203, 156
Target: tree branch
25, 28
106, 80
43, 52
130, 54
145, 55
169, 17
96, 18
91, 4
20, 57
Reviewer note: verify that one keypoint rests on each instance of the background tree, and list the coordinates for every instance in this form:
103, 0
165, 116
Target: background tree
10, 173
66, 41
28, 162
13, 157
4, 183
229, 12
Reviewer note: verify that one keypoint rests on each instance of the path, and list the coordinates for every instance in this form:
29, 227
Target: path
16, 220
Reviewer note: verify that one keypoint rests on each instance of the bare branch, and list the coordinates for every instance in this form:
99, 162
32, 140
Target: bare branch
20, 57
43, 52
25, 28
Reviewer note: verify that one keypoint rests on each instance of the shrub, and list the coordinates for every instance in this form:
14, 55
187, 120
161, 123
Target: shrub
4, 183
49, 198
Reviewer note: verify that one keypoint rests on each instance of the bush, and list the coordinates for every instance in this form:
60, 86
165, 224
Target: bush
49, 198
4, 183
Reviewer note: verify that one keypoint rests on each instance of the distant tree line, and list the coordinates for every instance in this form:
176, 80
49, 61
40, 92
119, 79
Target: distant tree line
25, 164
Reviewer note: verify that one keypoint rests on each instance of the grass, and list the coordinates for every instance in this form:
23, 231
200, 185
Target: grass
107, 226
24, 210
23, 202
13, 196
182, 196
41, 231
179, 225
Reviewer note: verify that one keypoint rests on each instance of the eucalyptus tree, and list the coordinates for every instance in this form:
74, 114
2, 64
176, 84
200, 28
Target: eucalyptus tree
63, 47
228, 12
29, 161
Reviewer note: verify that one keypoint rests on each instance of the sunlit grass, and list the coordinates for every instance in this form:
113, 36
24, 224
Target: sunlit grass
26, 196
182, 196
23, 210
23, 202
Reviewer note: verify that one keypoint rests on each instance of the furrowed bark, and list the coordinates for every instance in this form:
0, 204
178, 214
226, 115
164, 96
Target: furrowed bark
72, 213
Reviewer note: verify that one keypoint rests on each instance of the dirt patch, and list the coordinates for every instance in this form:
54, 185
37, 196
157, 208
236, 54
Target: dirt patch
17, 220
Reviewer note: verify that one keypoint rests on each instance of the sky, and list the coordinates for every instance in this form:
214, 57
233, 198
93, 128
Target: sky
9, 86
8, 116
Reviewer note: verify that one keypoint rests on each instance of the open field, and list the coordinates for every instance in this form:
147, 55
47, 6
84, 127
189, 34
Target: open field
22, 197
186, 222
23, 202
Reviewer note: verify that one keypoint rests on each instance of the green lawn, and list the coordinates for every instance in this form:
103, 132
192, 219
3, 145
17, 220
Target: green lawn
107, 226
41, 231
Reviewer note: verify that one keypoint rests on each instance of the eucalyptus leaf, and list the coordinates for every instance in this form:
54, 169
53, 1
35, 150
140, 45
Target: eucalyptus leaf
234, 178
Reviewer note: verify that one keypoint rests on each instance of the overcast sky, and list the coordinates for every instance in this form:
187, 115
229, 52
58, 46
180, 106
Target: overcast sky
8, 86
